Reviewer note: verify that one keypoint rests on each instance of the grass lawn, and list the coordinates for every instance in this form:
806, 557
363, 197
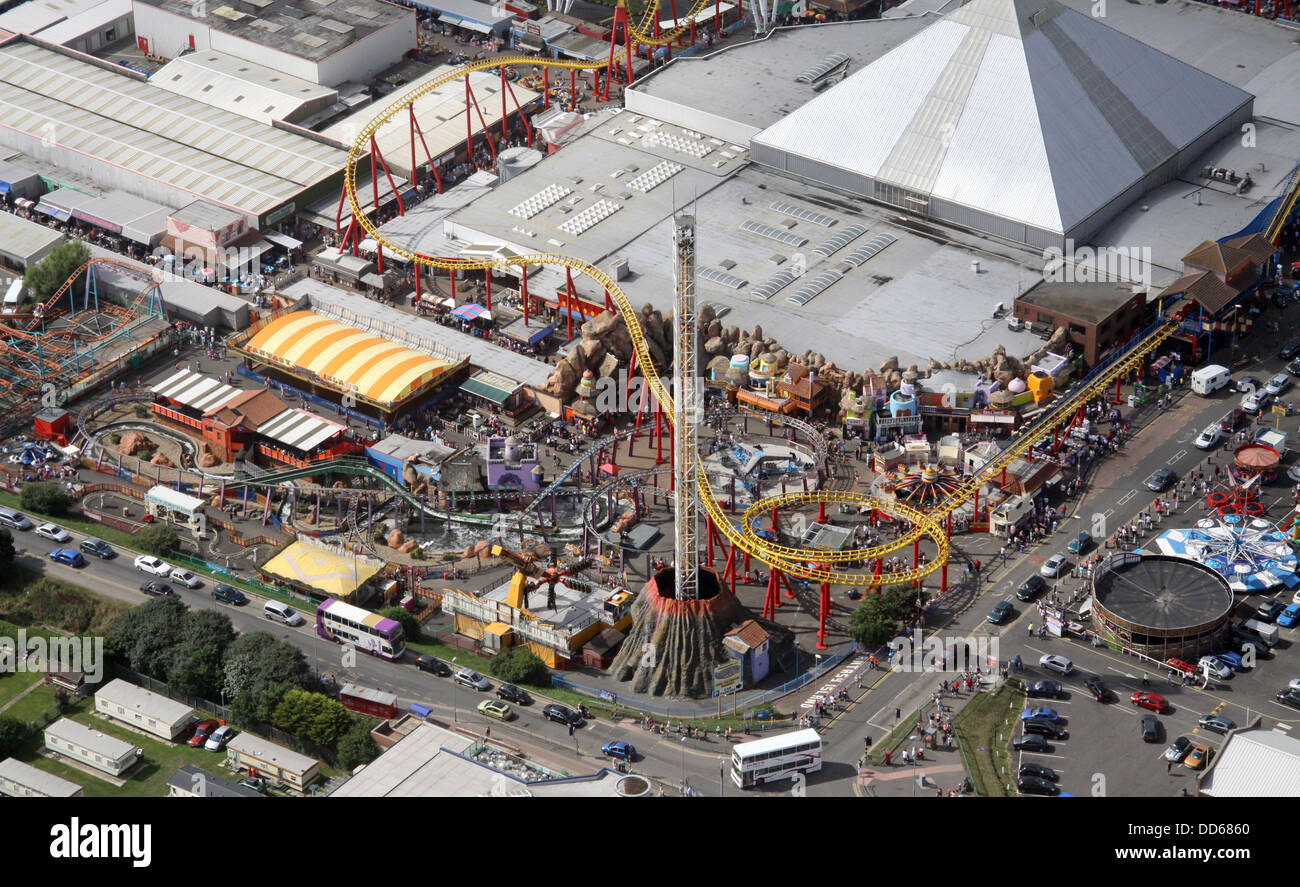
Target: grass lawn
978, 727
13, 684
110, 535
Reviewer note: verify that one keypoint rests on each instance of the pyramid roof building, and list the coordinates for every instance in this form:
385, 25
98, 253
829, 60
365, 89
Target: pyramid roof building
1021, 118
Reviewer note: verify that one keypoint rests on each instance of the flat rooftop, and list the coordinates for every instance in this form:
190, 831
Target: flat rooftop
240, 86
1090, 302
1163, 593
573, 606
305, 28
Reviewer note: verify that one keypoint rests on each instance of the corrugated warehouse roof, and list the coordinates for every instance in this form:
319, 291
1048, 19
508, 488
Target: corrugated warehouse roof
352, 359
1021, 109
242, 87
118, 119
191, 389
83, 17
1255, 763
23, 242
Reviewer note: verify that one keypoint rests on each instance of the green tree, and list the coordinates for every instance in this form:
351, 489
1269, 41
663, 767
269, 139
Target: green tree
145, 637
44, 278
356, 747
253, 667
196, 661
6, 548
13, 732
520, 665
45, 498
158, 540
410, 625
870, 624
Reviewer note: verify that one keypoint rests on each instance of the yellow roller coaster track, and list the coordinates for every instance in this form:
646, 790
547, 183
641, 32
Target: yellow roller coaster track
814, 564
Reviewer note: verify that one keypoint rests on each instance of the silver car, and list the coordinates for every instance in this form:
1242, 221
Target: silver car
472, 679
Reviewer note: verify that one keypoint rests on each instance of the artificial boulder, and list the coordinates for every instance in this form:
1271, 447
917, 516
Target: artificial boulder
395, 538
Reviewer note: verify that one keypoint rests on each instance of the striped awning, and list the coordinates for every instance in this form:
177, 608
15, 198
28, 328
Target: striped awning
345, 357
299, 429
195, 390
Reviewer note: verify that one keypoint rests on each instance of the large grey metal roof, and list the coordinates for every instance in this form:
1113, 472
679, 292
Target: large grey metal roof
242, 87
1255, 763
118, 119
23, 242
1023, 109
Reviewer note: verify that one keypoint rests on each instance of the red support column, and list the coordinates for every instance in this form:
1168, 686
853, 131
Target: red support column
573, 88
374, 190
708, 544
627, 385
523, 286
401, 207
659, 440
415, 124
417, 281
487, 288
609, 304
568, 300
772, 600
520, 111
975, 513
821, 511
546, 82
1117, 384
451, 277
487, 136
469, 130
823, 610
505, 133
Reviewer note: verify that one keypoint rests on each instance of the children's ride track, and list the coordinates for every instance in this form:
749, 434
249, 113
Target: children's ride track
815, 564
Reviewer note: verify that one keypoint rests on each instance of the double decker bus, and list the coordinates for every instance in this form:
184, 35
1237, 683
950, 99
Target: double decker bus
368, 632
776, 757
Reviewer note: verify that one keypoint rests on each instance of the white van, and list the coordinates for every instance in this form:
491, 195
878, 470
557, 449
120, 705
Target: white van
282, 613
1210, 379
1266, 633
12, 295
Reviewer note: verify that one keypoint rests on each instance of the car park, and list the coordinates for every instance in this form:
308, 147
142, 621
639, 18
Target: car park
1002, 611
495, 708
1080, 543
1053, 566
433, 665
98, 547
1052, 662
1290, 696
1032, 785
228, 594
1048, 689
1216, 667
1098, 690
1031, 588
1033, 742
1160, 480
158, 589
54, 533
1198, 757
1216, 723
513, 694
220, 736
472, 679
202, 730
1037, 770
1208, 437
1045, 728
1148, 700
68, 556
184, 577
1178, 750
561, 714
616, 748
1290, 616
1041, 713
1150, 728
147, 563
1277, 384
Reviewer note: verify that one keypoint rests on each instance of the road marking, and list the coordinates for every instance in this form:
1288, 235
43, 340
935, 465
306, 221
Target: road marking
1127, 496
1175, 457
1108, 512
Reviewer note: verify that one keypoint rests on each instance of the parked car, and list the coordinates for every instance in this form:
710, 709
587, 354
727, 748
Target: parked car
1031, 588
147, 563
1001, 612
1216, 723
514, 694
256, 783
1053, 567
68, 556
472, 679
1290, 696
1232, 420
1216, 667
1098, 690
1080, 543
228, 594
202, 730
1294, 367
1052, 662
98, 547
619, 749
1254, 403
160, 589
219, 737
1032, 785
1289, 350
1049, 689
1150, 728
1230, 659
433, 665
1030, 742
1148, 700
1279, 383
561, 714
1249, 384
1208, 437
1041, 713
1176, 752
1160, 480
1037, 770
54, 533
1198, 757
184, 577
495, 708
1046, 728
1269, 611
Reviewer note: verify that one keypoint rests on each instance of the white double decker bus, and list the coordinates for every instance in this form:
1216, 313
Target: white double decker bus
776, 757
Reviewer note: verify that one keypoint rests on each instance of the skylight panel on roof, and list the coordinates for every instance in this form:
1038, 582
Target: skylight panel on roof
807, 215
786, 237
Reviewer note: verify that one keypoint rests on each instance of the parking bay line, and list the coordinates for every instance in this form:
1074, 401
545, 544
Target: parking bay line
1127, 496
1175, 457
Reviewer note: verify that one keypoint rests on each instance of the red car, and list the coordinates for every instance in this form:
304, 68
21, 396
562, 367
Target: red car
1147, 699
1180, 665
202, 730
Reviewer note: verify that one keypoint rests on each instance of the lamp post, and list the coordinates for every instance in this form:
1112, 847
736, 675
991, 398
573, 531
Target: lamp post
455, 695
722, 770
683, 761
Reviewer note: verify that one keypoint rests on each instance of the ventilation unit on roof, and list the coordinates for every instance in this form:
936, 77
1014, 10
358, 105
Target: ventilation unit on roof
822, 68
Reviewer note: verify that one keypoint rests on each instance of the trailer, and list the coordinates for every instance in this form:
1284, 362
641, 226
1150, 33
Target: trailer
368, 701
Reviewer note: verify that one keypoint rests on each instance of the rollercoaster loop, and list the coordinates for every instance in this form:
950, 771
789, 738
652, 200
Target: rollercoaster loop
807, 563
